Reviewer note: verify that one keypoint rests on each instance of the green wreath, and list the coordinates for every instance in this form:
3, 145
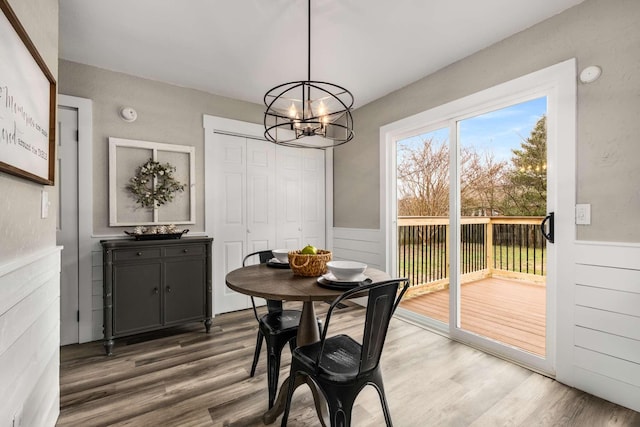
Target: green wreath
142, 184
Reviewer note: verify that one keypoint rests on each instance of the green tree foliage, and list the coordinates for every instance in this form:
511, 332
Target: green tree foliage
525, 190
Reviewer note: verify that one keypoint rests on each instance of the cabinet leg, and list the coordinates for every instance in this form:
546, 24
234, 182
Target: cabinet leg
207, 325
108, 347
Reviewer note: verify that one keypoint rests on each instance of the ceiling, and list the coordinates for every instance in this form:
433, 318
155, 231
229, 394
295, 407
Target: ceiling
242, 48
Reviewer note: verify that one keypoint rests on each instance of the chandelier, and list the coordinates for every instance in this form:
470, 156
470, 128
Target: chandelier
299, 109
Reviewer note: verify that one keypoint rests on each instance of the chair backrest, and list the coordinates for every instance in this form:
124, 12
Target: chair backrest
383, 299
264, 256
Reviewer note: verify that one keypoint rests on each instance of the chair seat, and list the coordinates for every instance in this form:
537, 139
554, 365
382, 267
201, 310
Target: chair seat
340, 360
280, 321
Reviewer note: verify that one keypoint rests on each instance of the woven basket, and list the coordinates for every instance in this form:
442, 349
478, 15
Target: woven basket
309, 265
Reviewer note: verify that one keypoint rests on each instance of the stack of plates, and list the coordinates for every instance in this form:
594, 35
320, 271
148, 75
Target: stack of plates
275, 263
330, 281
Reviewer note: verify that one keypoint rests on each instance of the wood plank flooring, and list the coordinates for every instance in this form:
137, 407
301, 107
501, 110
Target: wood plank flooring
185, 377
505, 310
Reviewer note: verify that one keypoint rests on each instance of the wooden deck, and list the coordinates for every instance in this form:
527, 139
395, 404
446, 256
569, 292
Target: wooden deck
510, 311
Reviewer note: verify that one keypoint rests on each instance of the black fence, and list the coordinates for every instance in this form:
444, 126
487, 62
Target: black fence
516, 245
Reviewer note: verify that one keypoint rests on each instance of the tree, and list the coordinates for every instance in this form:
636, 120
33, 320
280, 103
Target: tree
526, 181
423, 180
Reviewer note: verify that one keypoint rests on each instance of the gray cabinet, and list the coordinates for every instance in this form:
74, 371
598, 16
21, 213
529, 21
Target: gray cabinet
150, 285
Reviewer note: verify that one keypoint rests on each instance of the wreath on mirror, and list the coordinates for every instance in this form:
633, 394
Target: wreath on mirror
154, 184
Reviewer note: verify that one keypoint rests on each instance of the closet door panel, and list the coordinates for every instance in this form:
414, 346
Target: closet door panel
313, 198
289, 204
230, 219
261, 197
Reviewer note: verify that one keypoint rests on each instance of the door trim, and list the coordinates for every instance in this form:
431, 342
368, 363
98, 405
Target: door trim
85, 211
557, 81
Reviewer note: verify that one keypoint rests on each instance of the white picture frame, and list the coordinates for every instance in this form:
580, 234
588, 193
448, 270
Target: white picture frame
125, 156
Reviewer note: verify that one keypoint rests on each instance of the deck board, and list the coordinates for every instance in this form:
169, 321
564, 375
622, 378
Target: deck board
506, 310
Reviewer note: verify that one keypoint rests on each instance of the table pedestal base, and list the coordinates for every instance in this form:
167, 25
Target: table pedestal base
308, 333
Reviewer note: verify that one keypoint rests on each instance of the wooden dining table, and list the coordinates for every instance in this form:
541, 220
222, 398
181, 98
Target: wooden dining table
281, 284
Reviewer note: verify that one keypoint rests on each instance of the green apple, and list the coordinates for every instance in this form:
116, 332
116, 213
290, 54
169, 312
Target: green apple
309, 250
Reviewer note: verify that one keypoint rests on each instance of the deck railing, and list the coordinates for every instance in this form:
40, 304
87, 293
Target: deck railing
489, 246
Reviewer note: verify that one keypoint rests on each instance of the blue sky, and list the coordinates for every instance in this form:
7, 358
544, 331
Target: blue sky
498, 131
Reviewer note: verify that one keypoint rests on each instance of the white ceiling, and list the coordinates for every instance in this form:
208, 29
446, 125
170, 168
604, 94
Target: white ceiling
242, 48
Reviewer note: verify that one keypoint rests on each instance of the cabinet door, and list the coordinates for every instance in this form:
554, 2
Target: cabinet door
184, 290
136, 297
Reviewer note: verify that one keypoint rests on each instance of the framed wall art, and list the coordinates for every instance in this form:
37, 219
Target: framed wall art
151, 183
27, 104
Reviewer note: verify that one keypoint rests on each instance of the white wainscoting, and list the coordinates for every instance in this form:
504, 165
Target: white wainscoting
606, 338
359, 244
30, 339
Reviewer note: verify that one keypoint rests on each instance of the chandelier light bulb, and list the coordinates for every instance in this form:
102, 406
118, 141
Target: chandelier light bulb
322, 109
293, 113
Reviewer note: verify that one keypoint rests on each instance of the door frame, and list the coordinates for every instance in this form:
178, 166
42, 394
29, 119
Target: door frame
85, 211
558, 83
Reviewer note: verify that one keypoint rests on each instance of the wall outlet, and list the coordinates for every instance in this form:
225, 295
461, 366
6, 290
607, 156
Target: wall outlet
583, 214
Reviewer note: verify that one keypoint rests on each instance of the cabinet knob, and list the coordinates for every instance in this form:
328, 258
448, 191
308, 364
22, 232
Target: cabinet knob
139, 254
185, 250
155, 290
169, 289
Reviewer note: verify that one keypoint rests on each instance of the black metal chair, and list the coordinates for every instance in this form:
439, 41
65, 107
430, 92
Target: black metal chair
339, 365
277, 327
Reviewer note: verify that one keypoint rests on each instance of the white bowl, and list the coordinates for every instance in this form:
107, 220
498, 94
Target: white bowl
282, 255
346, 270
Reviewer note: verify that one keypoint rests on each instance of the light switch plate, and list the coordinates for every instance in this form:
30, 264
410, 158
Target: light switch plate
45, 205
583, 214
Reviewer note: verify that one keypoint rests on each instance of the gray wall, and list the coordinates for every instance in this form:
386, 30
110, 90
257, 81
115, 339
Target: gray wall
602, 32
166, 113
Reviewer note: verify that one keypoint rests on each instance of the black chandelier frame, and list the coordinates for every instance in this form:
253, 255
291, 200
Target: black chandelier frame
335, 127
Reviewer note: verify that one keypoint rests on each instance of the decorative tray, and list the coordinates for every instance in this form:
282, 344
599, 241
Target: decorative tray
157, 236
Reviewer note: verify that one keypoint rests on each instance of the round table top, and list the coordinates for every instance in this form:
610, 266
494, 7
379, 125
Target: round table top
281, 284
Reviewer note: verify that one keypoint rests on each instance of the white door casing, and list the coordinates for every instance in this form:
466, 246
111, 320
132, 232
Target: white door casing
67, 223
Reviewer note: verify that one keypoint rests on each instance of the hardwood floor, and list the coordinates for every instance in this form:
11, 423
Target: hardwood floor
185, 377
506, 310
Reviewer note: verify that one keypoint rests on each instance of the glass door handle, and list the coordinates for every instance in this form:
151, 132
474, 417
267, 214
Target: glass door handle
543, 228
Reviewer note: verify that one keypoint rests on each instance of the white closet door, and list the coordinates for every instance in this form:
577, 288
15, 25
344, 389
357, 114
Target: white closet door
230, 229
261, 197
289, 203
313, 198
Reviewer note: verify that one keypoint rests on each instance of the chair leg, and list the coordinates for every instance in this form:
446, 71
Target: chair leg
340, 407
290, 389
256, 354
273, 367
379, 386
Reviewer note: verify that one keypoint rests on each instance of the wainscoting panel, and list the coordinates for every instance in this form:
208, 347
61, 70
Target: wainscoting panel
606, 347
30, 339
359, 244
